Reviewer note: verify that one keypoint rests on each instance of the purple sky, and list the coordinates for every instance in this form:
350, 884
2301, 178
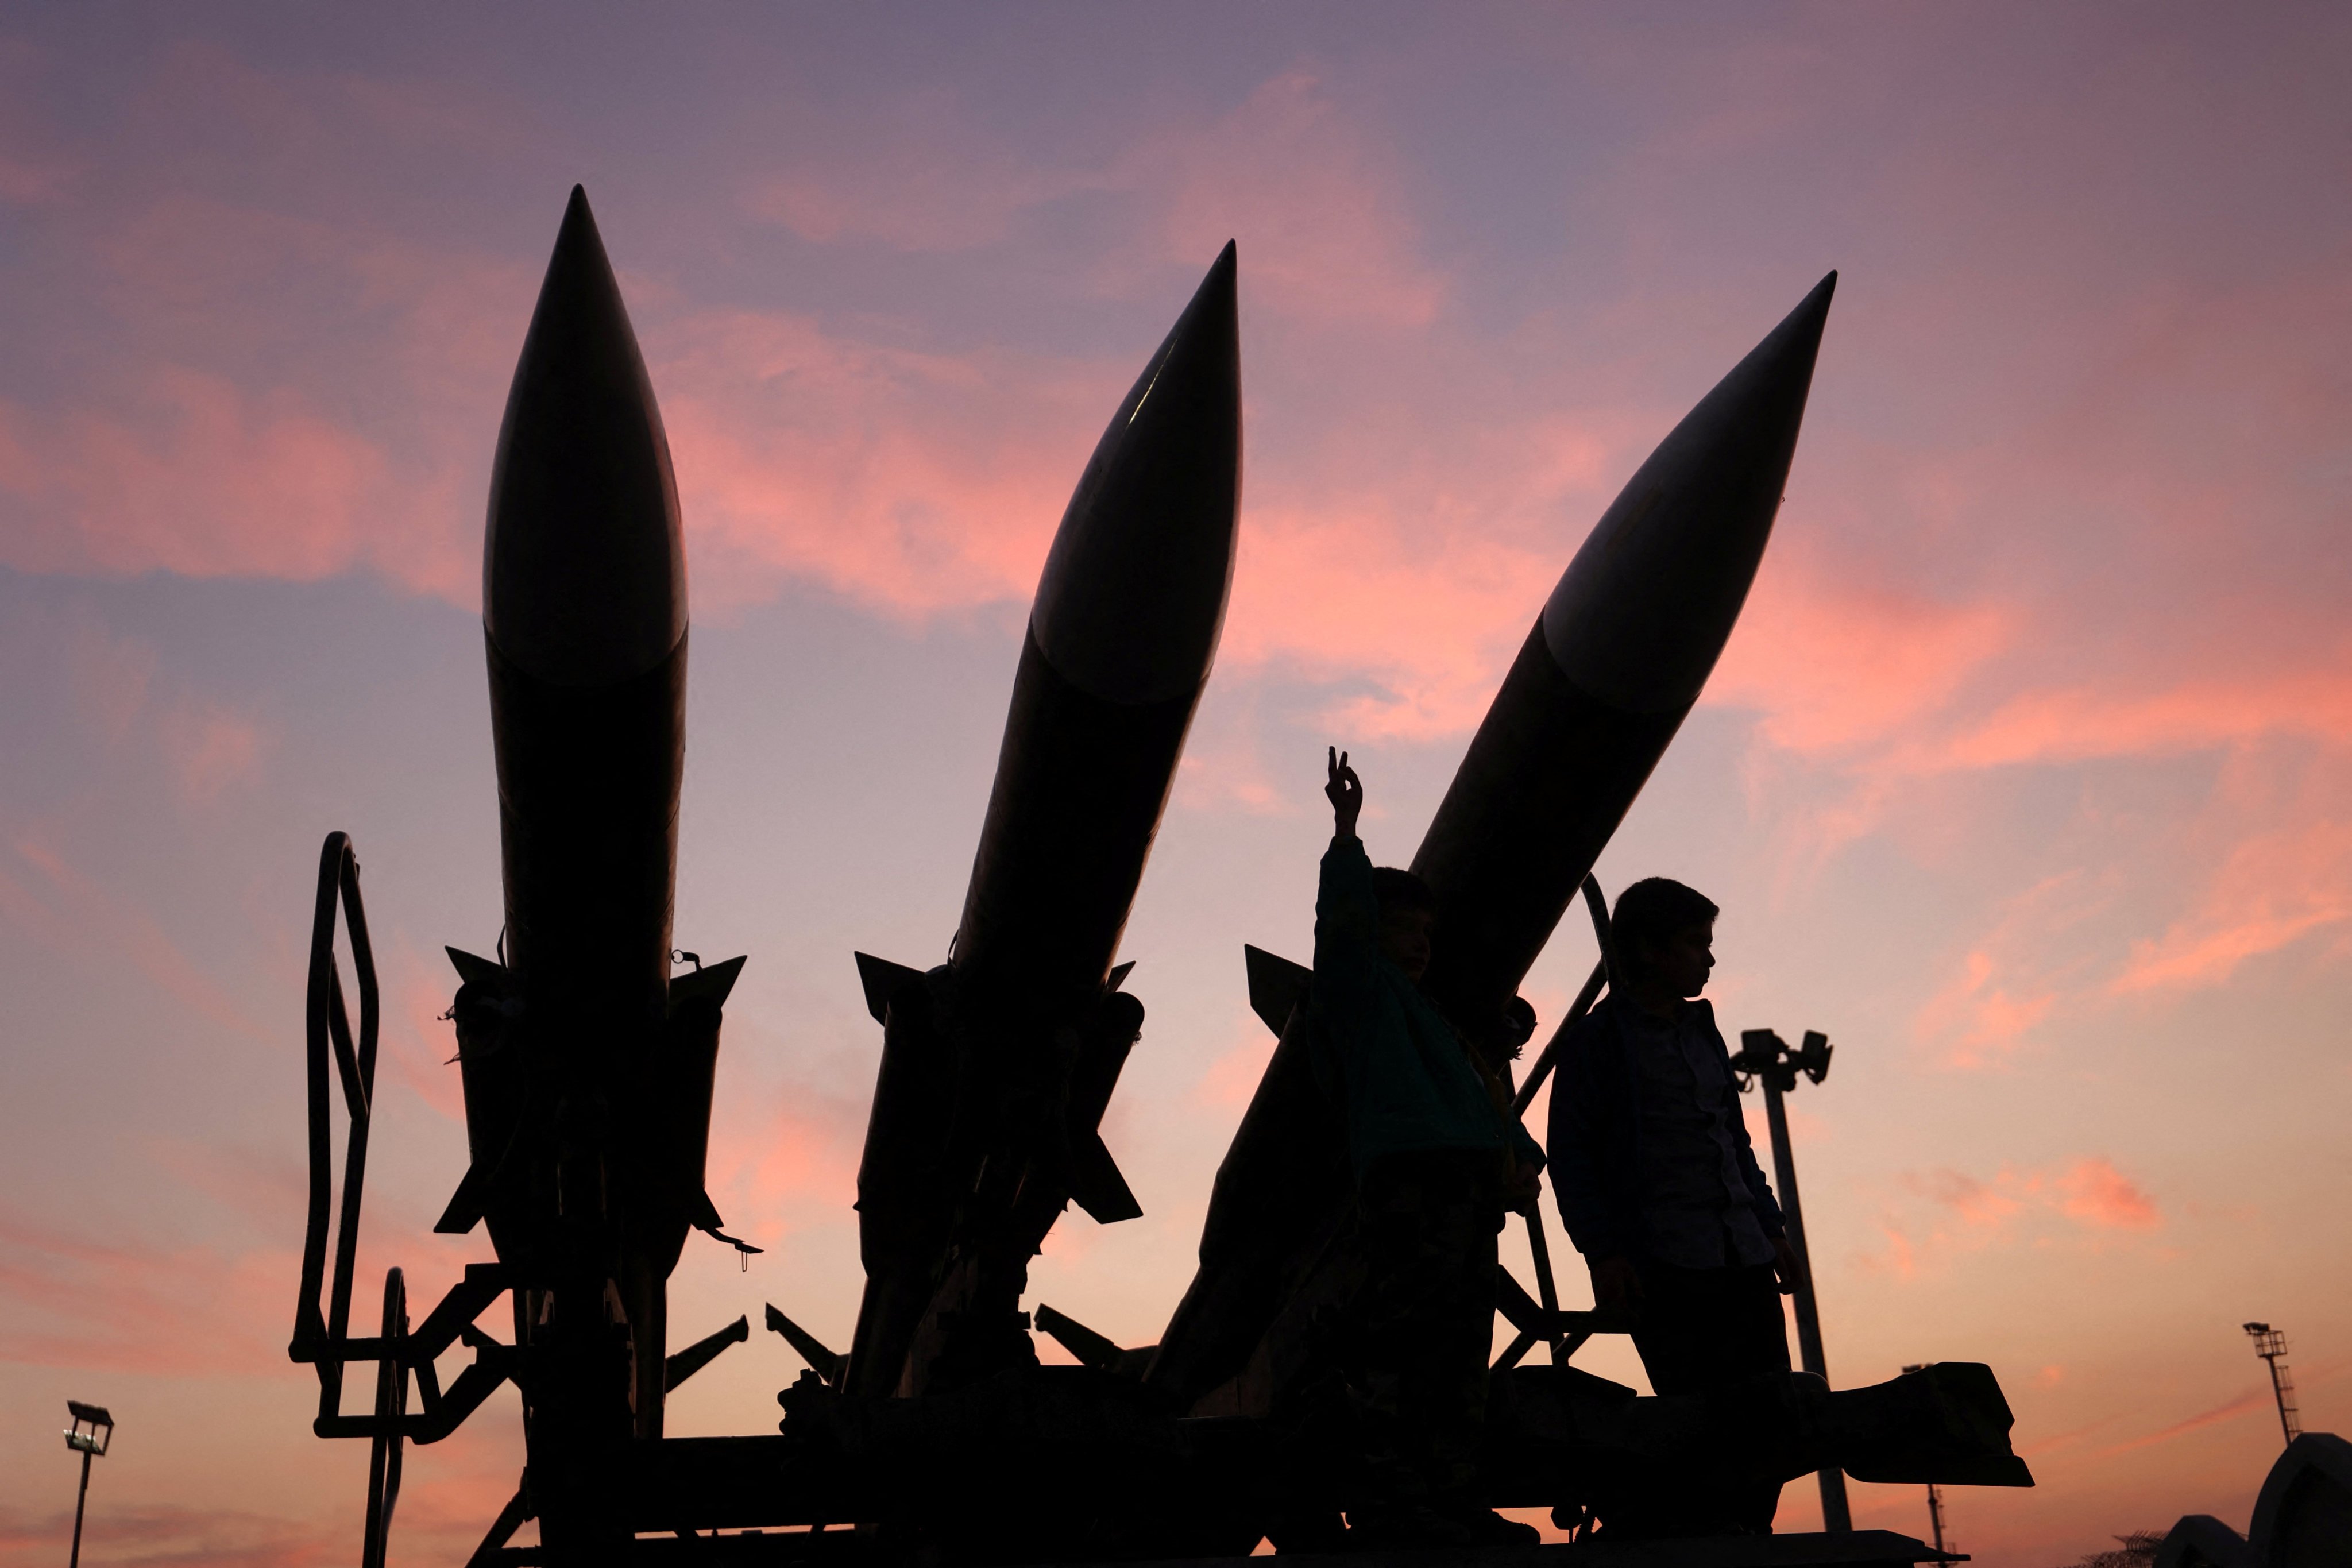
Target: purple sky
2024, 777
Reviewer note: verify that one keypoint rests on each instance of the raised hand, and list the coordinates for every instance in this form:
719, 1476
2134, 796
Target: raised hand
1345, 793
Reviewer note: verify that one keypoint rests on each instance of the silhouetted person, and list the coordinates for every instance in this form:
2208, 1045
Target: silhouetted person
1657, 1183
1438, 1158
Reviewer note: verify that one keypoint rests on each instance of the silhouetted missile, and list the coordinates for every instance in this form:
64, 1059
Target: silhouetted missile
1614, 663
1606, 676
997, 1066
588, 1073
583, 610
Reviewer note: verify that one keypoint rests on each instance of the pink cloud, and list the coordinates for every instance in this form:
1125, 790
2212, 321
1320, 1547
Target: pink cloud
2229, 1410
910, 483
109, 676
1965, 1214
128, 1305
2073, 725
196, 477
2012, 977
160, 1534
1835, 665
784, 1159
210, 747
69, 910
918, 180
1981, 1019
1312, 196
2274, 889
2092, 1192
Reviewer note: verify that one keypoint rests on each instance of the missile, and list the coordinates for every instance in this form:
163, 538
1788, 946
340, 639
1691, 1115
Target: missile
1607, 674
996, 1065
584, 614
588, 1072
1614, 661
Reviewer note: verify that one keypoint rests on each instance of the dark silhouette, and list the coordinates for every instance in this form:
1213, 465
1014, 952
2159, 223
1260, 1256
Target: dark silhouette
1657, 1182
1615, 659
1438, 1158
1352, 1240
998, 1064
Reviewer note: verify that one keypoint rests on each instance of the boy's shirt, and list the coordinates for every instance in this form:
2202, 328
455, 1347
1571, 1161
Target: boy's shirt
1697, 1209
1627, 1081
1392, 1060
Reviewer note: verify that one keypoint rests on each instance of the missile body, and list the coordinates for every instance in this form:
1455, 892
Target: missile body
1608, 673
588, 1074
1613, 664
997, 1066
583, 610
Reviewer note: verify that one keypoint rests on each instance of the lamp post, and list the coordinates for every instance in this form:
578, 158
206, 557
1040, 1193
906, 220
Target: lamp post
2271, 1346
1765, 1058
91, 1431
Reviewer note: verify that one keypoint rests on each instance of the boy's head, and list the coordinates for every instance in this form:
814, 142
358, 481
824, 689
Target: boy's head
1408, 916
1664, 936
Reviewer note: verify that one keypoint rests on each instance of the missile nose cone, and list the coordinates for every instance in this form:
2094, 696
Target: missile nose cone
1133, 594
1644, 609
583, 570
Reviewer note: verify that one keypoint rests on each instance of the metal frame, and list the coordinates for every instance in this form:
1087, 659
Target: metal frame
1565, 1331
322, 1328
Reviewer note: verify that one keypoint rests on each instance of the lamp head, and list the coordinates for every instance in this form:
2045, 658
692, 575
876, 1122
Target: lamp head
92, 1428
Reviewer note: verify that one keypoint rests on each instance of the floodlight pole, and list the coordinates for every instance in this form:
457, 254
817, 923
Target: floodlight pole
2271, 1346
79, 1498
1767, 1059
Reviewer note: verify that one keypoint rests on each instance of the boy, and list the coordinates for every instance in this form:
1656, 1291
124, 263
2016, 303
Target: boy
1438, 1157
1657, 1182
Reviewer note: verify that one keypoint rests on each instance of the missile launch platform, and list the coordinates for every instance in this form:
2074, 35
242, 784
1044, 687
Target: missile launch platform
589, 1052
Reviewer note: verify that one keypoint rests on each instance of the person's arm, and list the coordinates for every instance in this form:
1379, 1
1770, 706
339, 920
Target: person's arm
1589, 1210
1346, 918
1577, 1147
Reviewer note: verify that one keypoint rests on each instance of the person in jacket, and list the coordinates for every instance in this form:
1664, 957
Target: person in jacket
1439, 1157
1657, 1181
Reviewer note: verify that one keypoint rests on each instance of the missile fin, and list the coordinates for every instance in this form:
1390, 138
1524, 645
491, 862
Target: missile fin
712, 982
1091, 1348
678, 1368
466, 1204
1096, 1184
880, 977
1276, 986
825, 1363
474, 971
1118, 976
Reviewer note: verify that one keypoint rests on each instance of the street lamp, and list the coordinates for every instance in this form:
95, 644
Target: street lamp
91, 1431
1764, 1056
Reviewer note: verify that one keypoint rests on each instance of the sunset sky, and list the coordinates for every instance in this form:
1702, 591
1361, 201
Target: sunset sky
2027, 776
